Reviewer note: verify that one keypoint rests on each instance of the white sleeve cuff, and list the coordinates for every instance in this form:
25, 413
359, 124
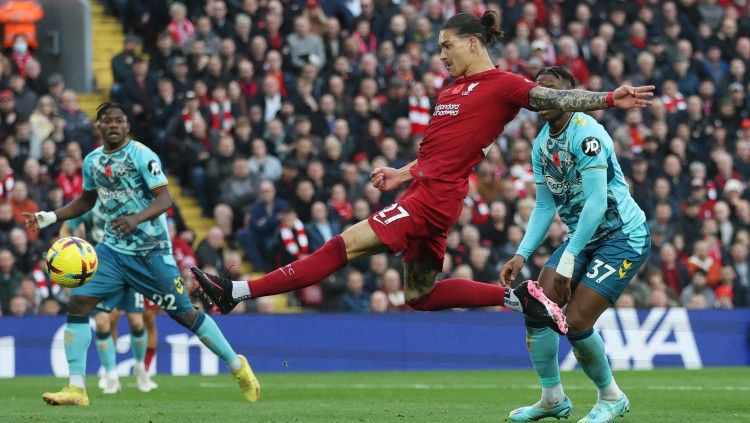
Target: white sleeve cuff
566, 265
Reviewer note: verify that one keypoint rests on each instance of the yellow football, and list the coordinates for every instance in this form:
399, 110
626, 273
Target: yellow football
71, 262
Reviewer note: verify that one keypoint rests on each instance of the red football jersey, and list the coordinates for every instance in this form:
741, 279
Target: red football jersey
469, 116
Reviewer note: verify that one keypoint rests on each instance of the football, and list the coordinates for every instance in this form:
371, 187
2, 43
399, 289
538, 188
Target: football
71, 262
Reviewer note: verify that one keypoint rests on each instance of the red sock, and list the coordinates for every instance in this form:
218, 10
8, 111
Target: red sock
459, 293
304, 272
149, 356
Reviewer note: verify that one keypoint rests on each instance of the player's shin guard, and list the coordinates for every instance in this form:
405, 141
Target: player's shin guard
105, 346
212, 337
543, 344
588, 348
459, 293
138, 344
304, 272
77, 340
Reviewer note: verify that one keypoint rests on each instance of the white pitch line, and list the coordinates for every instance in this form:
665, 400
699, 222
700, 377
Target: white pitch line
468, 387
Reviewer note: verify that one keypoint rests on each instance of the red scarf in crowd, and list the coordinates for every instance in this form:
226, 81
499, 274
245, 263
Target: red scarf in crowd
419, 114
180, 31
187, 119
480, 212
6, 186
72, 186
294, 239
226, 121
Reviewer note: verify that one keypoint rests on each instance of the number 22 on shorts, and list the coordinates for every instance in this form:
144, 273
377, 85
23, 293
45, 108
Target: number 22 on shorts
390, 214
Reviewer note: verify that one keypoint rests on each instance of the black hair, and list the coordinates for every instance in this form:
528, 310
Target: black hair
467, 25
104, 107
558, 72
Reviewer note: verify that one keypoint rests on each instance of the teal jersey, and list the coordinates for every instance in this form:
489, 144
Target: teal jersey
94, 221
558, 162
123, 180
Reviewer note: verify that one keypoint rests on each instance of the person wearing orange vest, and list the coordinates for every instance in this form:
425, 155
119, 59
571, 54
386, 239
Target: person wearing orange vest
19, 17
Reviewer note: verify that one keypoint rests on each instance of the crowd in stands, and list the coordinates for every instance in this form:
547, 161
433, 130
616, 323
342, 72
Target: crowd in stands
272, 115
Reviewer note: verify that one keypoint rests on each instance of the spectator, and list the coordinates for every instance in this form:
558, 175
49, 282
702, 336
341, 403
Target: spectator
180, 28
321, 227
262, 221
263, 164
379, 302
19, 18
78, 126
10, 279
21, 203
355, 298
19, 307
210, 251
240, 188
702, 261
698, 287
291, 241
393, 290
50, 307
304, 46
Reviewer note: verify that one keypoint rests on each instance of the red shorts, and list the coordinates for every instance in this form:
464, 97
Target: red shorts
417, 225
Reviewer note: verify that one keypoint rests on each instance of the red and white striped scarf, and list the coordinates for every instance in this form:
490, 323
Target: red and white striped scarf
419, 114
295, 242
480, 212
227, 120
187, 119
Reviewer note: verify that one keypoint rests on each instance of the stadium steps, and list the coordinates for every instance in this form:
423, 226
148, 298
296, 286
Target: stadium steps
107, 41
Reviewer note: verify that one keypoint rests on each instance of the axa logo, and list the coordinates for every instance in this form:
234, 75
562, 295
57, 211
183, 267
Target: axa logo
634, 343
470, 88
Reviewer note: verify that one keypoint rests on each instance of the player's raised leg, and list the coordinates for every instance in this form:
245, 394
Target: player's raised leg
157, 277
356, 241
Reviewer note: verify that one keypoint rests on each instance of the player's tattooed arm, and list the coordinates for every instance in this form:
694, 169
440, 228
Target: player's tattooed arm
542, 98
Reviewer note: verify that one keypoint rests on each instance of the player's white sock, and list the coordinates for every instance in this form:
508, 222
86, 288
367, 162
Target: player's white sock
240, 290
611, 393
111, 374
235, 364
552, 396
511, 301
77, 380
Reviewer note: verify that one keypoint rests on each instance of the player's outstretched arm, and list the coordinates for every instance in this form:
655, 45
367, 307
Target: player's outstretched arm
388, 178
539, 223
624, 97
162, 201
75, 208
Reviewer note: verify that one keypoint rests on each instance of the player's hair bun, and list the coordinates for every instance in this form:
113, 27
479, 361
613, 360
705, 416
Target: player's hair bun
490, 21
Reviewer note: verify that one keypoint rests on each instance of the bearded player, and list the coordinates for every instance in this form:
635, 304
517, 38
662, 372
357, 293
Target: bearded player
469, 115
579, 178
136, 251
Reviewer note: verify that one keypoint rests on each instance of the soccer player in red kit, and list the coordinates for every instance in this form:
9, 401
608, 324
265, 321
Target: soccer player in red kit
469, 115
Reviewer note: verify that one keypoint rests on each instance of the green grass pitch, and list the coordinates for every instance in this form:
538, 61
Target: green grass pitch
712, 395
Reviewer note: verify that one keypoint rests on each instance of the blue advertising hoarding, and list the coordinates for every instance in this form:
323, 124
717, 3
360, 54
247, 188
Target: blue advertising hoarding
635, 339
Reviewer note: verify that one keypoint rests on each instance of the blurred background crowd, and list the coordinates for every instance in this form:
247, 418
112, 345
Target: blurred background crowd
272, 114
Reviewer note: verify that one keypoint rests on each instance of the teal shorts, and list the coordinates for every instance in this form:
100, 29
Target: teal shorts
607, 266
154, 275
129, 301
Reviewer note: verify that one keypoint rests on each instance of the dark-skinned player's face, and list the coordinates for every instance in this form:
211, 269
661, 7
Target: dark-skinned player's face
114, 126
549, 80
